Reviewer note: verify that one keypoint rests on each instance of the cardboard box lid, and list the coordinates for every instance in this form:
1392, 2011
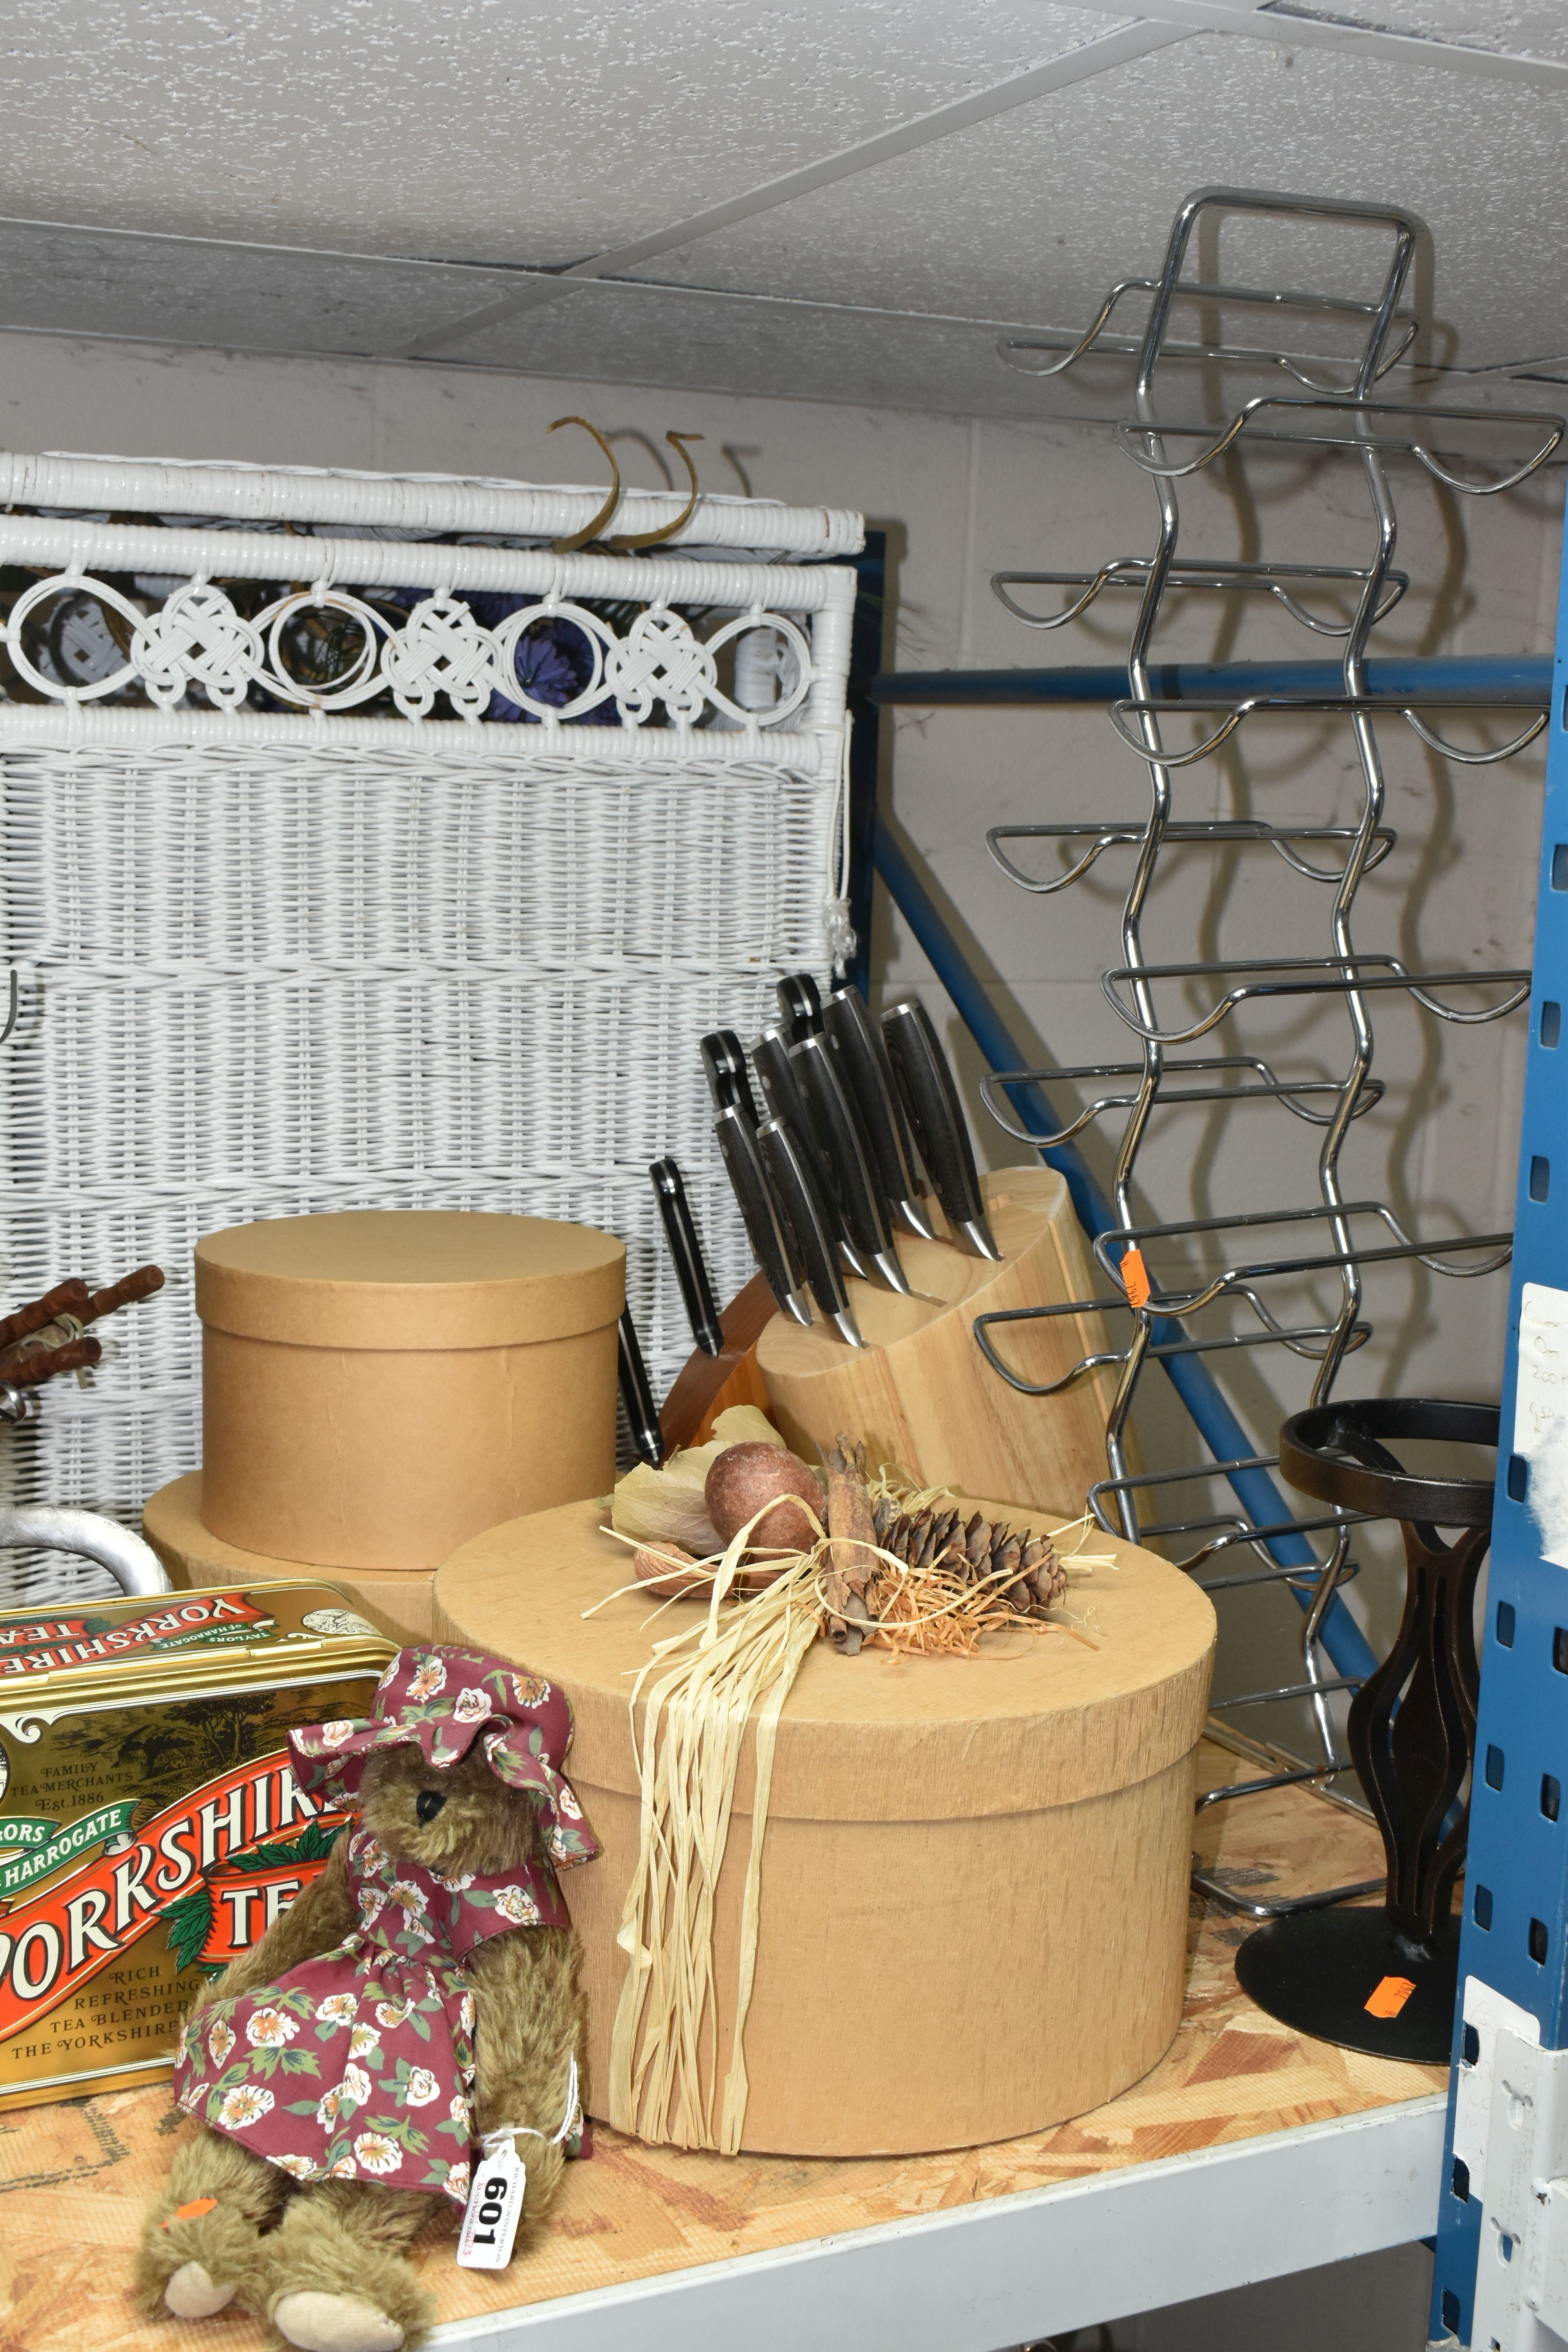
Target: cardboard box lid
410, 1278
874, 1738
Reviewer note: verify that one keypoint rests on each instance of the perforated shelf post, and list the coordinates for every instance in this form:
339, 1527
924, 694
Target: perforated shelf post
1513, 1952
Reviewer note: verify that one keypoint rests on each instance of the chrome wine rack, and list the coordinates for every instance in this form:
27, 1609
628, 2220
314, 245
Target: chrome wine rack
1169, 1303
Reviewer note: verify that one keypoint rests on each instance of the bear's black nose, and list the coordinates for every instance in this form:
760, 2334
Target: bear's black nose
428, 1803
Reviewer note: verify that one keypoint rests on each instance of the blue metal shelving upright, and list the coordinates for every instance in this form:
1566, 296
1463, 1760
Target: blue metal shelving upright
1515, 1934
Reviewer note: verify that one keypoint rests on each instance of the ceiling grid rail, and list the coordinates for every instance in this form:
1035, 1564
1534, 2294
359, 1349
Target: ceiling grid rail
1158, 26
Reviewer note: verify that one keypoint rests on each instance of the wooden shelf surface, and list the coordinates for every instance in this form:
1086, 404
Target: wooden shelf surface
74, 2177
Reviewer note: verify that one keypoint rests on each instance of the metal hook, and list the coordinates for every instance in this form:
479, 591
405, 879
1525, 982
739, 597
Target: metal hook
1476, 758
581, 539
656, 538
1356, 411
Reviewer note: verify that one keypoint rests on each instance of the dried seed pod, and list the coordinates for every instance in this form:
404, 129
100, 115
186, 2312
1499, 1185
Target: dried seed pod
851, 1523
746, 1476
1050, 1579
653, 1565
847, 1633
943, 1537
1020, 1567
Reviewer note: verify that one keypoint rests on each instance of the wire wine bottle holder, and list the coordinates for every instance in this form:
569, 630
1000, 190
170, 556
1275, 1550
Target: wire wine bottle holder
1334, 1238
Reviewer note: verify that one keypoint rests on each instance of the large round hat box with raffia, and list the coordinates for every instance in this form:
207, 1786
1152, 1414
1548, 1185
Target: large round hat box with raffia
970, 1912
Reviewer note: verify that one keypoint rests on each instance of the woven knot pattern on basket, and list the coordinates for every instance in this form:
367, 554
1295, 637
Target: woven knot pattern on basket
267, 980
73, 638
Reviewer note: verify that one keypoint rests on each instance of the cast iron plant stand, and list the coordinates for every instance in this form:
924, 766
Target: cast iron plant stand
1383, 1978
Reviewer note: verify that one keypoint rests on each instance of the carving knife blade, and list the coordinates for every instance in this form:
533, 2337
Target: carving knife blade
773, 1245
870, 1082
866, 1218
782, 1092
936, 1114
795, 1187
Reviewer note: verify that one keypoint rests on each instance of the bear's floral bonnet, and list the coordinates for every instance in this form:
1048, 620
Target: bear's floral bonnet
442, 1701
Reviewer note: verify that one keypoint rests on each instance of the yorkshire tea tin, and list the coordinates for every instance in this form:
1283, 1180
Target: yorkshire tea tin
150, 1826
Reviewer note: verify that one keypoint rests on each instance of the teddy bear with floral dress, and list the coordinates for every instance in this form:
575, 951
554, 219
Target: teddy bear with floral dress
418, 1995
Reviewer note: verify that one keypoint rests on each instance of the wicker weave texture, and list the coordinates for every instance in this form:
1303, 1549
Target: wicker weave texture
404, 505
266, 980
303, 919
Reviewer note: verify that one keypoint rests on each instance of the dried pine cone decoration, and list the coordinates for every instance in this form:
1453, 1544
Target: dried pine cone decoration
1030, 1577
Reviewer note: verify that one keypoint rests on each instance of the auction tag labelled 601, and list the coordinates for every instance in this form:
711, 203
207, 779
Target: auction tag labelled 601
493, 2211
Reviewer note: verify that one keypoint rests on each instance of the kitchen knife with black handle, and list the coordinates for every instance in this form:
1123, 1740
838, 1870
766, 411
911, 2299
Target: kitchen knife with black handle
771, 1242
800, 1006
785, 1101
642, 1413
866, 1196
870, 1082
724, 1067
794, 1188
735, 1133
866, 1215
686, 1250
936, 1115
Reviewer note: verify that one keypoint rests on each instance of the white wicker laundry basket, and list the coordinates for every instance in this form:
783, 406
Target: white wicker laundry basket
334, 875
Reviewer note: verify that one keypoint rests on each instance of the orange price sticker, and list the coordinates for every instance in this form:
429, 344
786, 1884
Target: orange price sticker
1389, 1997
193, 2210
1134, 1277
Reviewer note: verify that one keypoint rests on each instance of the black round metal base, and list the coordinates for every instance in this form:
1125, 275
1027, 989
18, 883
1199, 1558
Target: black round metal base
1317, 1971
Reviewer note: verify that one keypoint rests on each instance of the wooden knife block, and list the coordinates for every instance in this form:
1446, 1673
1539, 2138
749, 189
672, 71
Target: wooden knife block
922, 1394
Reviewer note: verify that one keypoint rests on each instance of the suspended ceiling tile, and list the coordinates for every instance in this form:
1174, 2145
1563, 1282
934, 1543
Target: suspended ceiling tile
1528, 27
170, 290
155, 290
614, 331
620, 333
471, 130
1026, 217
1036, 213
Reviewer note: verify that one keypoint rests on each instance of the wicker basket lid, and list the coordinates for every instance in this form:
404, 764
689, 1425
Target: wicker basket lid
409, 1279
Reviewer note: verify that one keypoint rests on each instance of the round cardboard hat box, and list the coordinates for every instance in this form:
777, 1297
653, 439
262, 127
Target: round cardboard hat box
974, 1873
379, 1385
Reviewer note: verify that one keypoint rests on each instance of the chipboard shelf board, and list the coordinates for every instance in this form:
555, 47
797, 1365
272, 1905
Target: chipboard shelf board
970, 2278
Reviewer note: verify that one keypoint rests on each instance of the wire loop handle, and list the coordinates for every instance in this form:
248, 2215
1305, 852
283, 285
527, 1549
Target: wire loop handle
1348, 405
1309, 976
1197, 832
1133, 571
1355, 705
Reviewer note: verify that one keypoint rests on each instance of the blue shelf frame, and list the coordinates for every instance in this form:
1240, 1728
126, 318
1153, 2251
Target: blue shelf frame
1517, 1869
1490, 677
